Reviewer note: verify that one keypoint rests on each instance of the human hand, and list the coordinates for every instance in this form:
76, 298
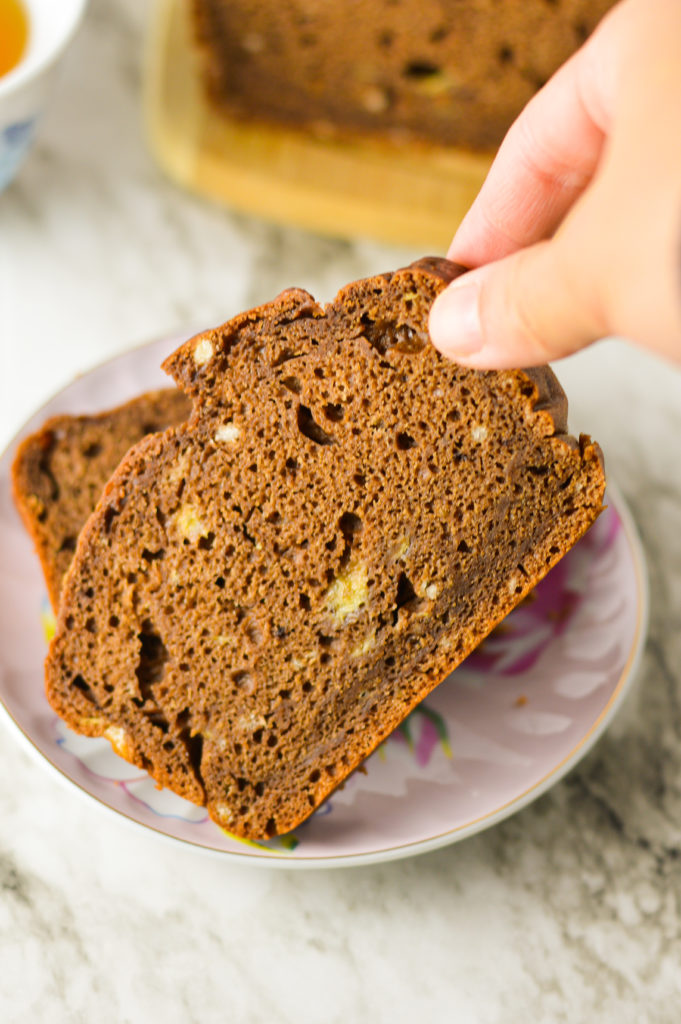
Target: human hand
576, 232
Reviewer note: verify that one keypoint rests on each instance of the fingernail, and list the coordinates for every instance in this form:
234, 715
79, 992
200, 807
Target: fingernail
455, 321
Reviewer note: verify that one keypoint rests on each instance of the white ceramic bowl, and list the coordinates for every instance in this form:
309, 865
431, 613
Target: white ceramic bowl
25, 89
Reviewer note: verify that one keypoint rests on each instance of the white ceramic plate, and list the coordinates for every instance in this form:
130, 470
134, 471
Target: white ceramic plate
511, 721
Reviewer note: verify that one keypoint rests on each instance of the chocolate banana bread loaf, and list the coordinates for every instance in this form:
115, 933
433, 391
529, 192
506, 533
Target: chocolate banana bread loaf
263, 593
452, 72
59, 472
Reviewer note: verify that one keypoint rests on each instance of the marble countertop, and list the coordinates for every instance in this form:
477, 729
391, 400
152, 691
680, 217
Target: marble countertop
568, 911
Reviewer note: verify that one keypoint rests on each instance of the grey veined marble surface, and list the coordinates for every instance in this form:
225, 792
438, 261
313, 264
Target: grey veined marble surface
568, 912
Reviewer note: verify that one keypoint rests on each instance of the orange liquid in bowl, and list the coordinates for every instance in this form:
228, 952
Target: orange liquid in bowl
13, 34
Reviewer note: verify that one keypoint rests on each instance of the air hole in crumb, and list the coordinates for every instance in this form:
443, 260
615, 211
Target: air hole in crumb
334, 412
153, 656
68, 544
307, 686
405, 441
271, 828
292, 384
360, 479
220, 582
272, 741
259, 788
420, 69
463, 547
69, 622
159, 720
291, 465
405, 591
84, 688
389, 661
91, 625
114, 621
92, 450
152, 556
405, 597
304, 602
206, 543
350, 524
505, 54
309, 427
110, 514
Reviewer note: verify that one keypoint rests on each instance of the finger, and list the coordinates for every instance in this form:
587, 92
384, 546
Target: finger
547, 159
526, 309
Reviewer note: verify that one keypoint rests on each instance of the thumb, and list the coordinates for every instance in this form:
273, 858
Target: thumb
531, 307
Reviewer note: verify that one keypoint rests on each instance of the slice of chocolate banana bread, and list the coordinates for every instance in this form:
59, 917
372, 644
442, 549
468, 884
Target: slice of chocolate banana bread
60, 471
265, 592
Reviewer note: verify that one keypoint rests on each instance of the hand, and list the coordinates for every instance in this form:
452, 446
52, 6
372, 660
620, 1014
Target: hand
576, 232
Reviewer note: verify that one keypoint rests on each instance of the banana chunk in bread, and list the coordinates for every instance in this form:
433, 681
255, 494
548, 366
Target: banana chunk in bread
265, 592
